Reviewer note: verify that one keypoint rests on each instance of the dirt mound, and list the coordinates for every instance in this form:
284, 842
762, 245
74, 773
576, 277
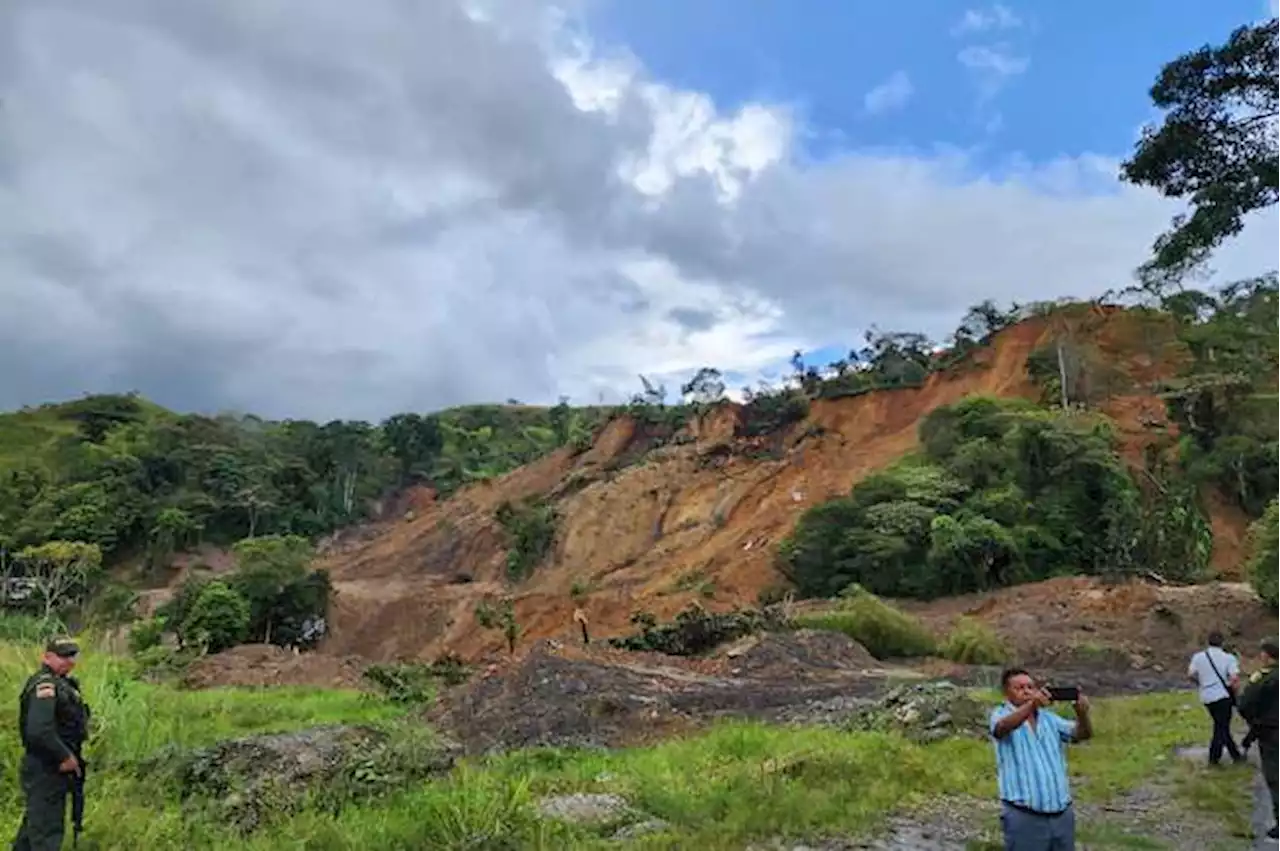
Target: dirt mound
568, 700
799, 653
251, 779
925, 712
268, 665
1076, 623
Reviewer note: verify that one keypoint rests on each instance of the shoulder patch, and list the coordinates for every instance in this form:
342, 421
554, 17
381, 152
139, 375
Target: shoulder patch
46, 690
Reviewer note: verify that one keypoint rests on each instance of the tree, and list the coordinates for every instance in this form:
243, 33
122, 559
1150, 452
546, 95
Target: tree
173, 529
218, 621
1216, 147
267, 567
62, 570
705, 388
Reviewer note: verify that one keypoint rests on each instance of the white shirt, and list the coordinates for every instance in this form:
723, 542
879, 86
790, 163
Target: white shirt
1211, 689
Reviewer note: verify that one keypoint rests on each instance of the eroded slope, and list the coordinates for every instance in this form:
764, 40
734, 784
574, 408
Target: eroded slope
692, 520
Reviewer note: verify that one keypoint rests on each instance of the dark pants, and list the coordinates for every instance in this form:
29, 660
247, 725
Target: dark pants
1024, 831
44, 821
1220, 712
1269, 752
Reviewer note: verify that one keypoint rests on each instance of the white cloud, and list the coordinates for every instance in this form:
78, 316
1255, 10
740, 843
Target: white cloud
893, 93
993, 66
996, 17
386, 206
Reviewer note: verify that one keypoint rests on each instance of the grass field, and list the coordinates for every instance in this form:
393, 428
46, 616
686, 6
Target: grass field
719, 790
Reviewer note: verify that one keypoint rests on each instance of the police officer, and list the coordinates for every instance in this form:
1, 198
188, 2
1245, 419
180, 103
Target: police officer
1258, 706
53, 723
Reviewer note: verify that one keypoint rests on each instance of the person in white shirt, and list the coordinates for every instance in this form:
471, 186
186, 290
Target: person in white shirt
1217, 673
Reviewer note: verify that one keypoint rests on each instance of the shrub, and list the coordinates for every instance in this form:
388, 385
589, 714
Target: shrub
146, 634
972, 642
218, 621
415, 682
1264, 555
531, 531
693, 631
885, 631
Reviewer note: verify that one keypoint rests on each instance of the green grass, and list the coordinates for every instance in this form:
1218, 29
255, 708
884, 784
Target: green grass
736, 783
885, 631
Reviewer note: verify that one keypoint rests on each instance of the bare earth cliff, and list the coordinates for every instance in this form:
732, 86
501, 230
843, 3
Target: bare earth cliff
698, 518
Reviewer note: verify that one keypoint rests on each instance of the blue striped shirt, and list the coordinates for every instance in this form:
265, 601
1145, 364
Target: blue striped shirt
1031, 762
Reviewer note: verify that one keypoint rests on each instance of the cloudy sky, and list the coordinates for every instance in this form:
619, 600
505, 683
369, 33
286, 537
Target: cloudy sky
326, 208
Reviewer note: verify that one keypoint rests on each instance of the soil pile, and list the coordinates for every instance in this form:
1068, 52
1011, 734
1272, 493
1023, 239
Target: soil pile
268, 665
1079, 624
799, 653
568, 699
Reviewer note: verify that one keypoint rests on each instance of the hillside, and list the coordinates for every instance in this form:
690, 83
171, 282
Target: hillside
699, 518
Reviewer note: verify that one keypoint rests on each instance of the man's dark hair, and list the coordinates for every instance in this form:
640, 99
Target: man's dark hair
1009, 673
1269, 647
1215, 638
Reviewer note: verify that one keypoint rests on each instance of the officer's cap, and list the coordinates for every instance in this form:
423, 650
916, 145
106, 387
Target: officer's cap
1269, 647
64, 647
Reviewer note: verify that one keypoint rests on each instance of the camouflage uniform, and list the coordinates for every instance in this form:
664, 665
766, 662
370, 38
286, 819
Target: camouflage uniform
53, 723
1258, 706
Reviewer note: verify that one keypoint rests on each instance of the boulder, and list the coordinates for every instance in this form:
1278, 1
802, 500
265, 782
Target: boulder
924, 712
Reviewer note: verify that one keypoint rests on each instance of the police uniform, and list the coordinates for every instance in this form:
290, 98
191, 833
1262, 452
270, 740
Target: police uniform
1258, 706
53, 722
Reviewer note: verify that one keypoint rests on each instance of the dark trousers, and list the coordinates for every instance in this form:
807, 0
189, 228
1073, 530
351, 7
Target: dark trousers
44, 822
1220, 712
1269, 754
1024, 831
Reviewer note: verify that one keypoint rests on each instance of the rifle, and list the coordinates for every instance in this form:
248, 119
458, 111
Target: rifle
77, 801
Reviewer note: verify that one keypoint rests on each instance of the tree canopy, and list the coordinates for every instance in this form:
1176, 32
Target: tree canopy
1216, 147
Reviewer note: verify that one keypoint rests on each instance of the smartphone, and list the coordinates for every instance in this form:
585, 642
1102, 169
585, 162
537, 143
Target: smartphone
1064, 694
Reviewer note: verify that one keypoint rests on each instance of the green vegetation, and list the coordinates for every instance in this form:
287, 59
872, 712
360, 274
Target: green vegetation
883, 630
737, 783
971, 642
694, 630
137, 480
1264, 555
531, 533
1216, 146
1001, 492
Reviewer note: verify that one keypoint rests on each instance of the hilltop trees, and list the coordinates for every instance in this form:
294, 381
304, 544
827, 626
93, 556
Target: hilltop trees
1217, 145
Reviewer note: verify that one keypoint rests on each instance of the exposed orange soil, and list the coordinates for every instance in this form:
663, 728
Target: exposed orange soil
691, 519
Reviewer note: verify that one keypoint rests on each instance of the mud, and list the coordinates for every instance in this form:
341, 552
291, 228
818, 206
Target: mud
258, 665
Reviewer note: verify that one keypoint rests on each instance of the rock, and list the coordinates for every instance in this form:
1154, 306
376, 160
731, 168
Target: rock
924, 712
586, 809
639, 829
252, 778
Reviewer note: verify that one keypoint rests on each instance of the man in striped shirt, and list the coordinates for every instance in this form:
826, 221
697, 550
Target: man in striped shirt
1031, 765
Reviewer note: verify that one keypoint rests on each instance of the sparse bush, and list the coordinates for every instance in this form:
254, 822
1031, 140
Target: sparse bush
972, 642
531, 532
694, 630
885, 631
414, 682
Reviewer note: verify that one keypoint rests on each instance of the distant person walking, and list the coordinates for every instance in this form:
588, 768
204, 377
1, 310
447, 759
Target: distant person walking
1036, 812
1217, 673
1258, 706
580, 618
